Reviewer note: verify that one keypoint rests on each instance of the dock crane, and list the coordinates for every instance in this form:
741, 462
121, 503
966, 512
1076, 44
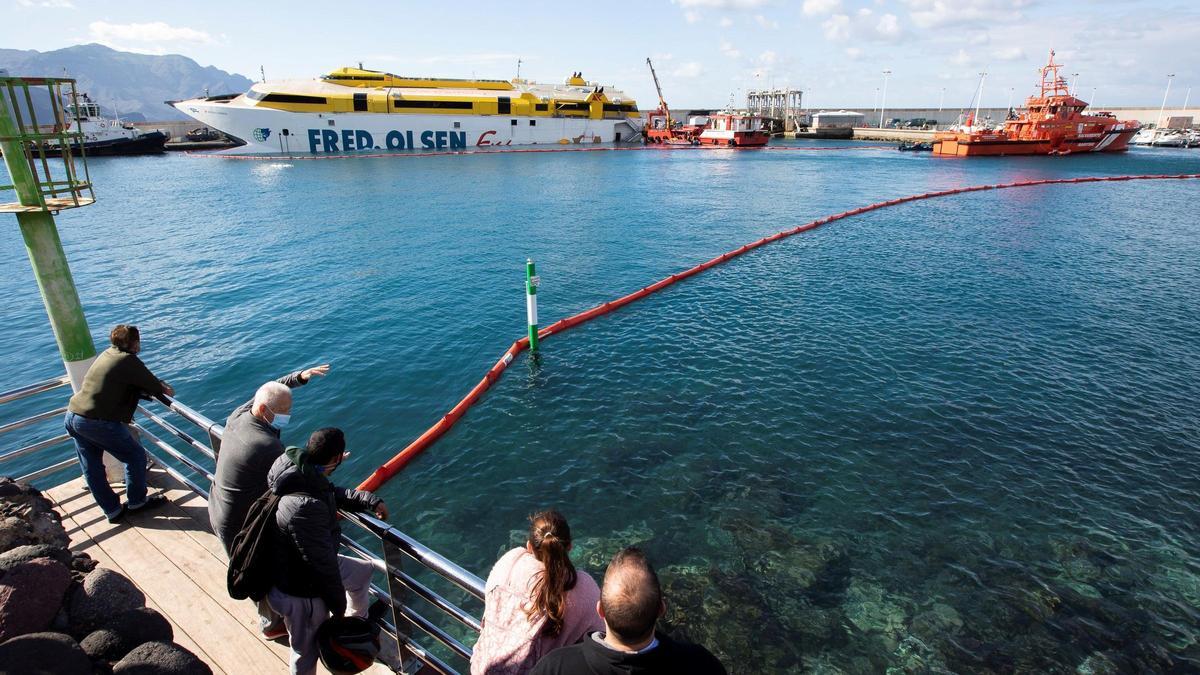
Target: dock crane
662, 103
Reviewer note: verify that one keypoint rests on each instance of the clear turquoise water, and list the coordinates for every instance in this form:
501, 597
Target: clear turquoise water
958, 434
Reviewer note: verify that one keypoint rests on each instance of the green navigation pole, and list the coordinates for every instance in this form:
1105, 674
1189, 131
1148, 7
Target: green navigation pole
531, 284
46, 252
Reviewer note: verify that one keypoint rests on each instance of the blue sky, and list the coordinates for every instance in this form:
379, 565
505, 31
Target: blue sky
704, 50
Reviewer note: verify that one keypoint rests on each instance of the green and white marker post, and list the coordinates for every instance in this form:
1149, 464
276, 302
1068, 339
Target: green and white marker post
531, 284
46, 255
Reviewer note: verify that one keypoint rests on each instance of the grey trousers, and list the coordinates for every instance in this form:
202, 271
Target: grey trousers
303, 616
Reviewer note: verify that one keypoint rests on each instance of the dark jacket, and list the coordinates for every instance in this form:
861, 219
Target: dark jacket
591, 657
307, 534
248, 448
112, 387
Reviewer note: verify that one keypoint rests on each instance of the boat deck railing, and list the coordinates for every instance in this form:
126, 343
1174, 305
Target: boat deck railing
418, 612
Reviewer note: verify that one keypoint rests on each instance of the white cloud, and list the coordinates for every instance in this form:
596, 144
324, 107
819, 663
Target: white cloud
768, 58
853, 52
692, 16
486, 57
888, 26
934, 13
49, 4
725, 22
688, 69
836, 28
765, 22
722, 4
729, 50
1009, 54
156, 31
821, 7
962, 58
863, 25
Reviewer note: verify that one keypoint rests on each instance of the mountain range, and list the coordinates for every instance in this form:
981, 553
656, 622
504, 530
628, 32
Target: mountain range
133, 85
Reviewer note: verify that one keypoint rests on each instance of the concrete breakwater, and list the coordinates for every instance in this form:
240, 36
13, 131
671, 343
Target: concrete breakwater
60, 611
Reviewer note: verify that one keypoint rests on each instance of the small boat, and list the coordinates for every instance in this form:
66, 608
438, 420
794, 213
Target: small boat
915, 146
203, 135
1162, 138
734, 129
1053, 123
106, 137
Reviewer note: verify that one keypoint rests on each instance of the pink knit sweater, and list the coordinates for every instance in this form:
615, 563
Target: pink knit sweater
510, 644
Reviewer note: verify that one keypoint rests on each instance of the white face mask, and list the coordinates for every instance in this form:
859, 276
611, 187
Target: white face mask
280, 420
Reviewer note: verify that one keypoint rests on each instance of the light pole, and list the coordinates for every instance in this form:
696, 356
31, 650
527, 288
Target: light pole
883, 102
1163, 107
1092, 103
875, 101
1010, 95
1074, 81
1186, 98
942, 101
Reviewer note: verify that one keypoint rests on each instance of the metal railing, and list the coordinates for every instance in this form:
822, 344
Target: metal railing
400, 551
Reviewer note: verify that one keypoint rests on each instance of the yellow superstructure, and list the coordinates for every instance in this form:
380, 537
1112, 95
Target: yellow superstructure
359, 90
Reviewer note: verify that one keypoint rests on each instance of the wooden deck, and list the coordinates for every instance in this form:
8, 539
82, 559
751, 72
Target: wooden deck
172, 555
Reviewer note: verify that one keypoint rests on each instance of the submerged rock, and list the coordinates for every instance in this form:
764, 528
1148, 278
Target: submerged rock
873, 610
31, 594
938, 622
160, 658
44, 654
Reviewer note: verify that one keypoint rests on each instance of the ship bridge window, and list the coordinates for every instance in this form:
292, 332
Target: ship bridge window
619, 107
285, 98
572, 107
541, 107
444, 105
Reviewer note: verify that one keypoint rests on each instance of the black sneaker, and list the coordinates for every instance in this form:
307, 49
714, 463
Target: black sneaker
152, 502
118, 516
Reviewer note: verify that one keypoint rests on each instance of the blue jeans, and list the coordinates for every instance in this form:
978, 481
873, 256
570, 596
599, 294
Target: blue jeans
95, 437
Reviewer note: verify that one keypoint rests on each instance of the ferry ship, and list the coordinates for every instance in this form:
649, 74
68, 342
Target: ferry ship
355, 110
1054, 123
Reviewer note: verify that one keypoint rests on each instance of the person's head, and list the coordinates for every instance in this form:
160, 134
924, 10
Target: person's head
273, 404
631, 601
550, 541
126, 338
326, 449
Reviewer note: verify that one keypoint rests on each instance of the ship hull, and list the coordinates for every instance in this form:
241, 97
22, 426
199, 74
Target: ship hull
744, 139
963, 145
150, 143
269, 131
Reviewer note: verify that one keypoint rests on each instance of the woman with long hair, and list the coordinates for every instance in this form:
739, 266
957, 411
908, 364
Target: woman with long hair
535, 601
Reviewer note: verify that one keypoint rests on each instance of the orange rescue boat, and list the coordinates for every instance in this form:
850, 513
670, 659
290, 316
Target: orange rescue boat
1053, 123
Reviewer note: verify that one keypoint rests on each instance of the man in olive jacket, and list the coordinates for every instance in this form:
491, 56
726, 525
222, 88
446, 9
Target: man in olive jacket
311, 580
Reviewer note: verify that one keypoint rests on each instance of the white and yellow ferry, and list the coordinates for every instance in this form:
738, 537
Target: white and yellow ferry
356, 110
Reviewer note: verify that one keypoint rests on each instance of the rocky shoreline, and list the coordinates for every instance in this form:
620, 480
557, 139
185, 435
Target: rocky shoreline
62, 613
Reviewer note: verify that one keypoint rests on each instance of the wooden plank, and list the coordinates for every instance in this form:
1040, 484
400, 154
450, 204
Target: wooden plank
172, 569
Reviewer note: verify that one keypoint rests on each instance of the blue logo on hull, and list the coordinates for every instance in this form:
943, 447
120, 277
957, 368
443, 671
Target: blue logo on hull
261, 134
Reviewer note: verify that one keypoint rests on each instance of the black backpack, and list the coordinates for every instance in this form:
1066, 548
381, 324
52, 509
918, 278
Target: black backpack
252, 558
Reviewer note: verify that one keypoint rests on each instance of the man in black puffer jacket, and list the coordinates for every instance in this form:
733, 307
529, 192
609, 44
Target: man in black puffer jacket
312, 580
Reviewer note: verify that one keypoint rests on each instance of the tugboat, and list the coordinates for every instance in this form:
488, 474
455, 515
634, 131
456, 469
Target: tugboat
1054, 123
105, 137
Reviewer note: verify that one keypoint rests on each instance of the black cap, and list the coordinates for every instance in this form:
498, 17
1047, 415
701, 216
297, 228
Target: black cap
325, 445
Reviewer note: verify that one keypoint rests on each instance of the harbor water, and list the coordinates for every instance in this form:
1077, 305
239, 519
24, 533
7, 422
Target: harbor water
953, 435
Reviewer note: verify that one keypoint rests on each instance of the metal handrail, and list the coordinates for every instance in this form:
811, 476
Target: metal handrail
35, 388
34, 419
40, 445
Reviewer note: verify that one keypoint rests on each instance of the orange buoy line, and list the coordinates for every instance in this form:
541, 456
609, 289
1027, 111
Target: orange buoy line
395, 464
509, 150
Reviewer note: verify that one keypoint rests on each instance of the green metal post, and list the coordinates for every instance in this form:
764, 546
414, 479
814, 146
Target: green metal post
47, 258
531, 284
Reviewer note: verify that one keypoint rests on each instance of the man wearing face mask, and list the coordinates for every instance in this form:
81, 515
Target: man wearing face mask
249, 446
311, 580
